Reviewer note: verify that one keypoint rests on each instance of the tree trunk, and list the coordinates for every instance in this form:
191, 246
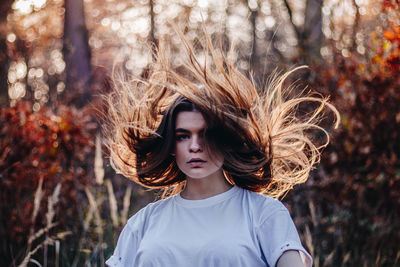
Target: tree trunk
152, 26
76, 53
5, 7
153, 40
253, 18
309, 37
312, 30
4, 64
356, 24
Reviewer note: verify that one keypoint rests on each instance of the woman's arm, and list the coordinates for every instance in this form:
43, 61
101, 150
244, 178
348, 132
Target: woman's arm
290, 258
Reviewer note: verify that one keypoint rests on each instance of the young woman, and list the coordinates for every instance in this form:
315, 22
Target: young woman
223, 151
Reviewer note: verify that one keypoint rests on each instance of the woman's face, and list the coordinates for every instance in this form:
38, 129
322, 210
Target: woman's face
192, 156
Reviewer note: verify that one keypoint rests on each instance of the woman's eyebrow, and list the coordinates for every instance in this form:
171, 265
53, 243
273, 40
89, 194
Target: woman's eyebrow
181, 130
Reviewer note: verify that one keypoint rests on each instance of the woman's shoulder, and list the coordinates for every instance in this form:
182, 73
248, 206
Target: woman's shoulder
142, 216
263, 207
263, 200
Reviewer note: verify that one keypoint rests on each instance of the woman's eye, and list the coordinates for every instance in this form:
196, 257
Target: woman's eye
182, 137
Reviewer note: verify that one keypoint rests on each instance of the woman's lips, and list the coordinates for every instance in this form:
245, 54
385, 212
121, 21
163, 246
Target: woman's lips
195, 162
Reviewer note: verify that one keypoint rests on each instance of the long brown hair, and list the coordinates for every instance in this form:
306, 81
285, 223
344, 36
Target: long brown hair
267, 147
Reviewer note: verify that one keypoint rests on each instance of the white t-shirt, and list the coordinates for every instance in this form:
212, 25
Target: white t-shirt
234, 228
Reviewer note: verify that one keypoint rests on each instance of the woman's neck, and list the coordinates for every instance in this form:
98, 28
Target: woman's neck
205, 187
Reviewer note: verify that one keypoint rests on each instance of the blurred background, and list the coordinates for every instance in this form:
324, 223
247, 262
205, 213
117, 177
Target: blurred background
62, 204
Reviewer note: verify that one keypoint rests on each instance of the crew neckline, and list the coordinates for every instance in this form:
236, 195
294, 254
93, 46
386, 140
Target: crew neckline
196, 203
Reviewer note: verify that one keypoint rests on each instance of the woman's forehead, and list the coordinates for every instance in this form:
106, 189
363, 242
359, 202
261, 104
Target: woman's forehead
190, 120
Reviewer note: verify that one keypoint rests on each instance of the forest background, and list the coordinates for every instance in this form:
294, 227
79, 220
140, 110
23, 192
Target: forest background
62, 204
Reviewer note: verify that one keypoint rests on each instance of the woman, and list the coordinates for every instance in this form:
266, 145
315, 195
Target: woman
221, 151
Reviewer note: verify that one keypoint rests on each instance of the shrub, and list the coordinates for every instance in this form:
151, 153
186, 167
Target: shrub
53, 146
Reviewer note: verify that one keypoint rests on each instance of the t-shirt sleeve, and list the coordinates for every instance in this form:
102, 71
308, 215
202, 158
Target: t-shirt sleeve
128, 242
277, 234
125, 251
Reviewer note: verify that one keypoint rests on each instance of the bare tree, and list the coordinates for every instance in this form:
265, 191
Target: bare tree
355, 25
253, 19
312, 30
152, 26
5, 7
76, 53
310, 37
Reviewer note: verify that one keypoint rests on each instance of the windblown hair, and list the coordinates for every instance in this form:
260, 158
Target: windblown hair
267, 146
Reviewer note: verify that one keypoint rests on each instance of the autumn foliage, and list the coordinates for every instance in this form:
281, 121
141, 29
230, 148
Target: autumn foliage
353, 197
51, 145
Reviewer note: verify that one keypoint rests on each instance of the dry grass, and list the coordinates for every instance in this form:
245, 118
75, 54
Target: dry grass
96, 219
48, 238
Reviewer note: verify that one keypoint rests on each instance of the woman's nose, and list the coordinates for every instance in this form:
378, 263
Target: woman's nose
195, 145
